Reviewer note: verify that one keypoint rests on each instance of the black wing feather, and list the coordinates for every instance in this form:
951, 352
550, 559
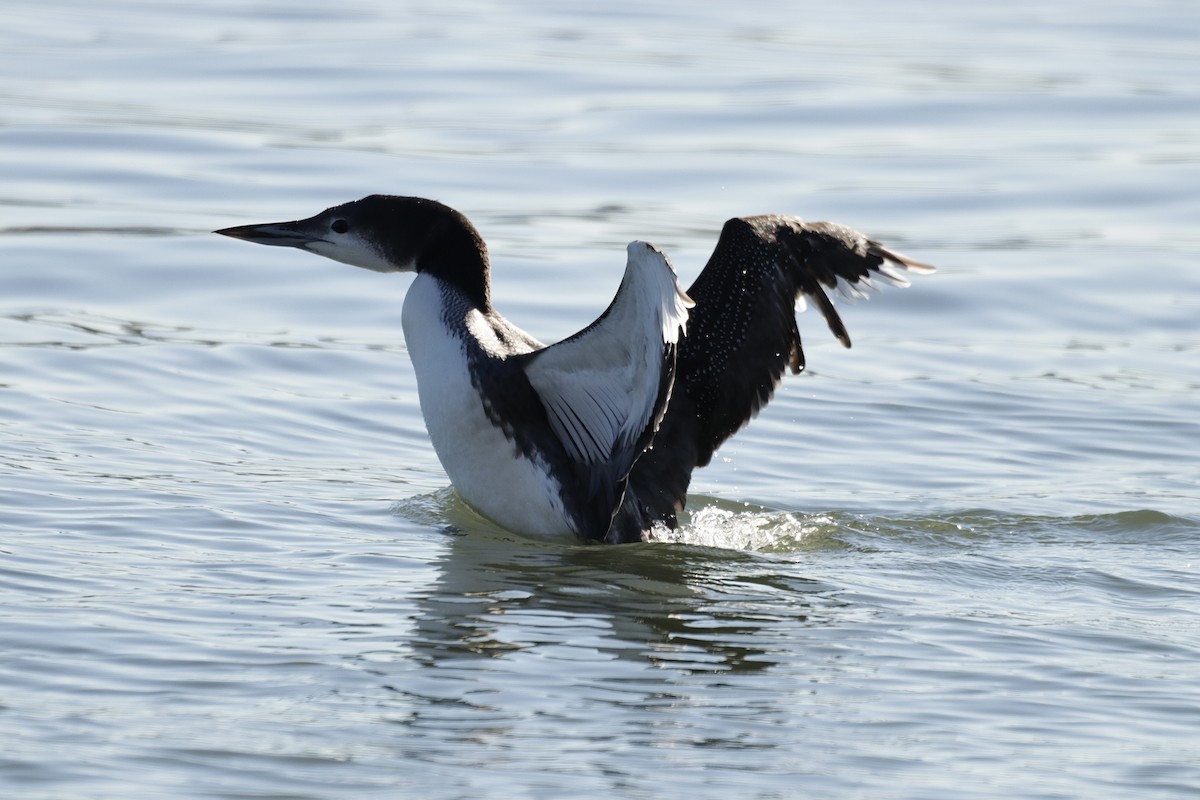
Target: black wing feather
741, 336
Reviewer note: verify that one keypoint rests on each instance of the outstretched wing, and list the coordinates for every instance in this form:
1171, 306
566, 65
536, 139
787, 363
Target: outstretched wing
741, 336
743, 332
605, 389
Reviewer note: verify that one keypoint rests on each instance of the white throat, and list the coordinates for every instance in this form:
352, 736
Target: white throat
482, 463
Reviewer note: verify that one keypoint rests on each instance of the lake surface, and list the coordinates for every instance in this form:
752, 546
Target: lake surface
957, 561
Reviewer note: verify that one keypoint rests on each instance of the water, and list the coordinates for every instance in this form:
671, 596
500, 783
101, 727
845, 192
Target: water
958, 560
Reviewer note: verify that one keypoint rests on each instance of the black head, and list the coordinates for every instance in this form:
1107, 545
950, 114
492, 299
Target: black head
386, 233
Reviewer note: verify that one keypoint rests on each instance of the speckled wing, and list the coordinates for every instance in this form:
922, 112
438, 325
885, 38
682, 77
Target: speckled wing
742, 335
743, 331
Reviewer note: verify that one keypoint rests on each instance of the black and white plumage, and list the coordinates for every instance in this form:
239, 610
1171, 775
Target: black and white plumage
598, 434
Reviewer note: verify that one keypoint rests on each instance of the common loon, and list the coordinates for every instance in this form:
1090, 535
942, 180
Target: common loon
598, 434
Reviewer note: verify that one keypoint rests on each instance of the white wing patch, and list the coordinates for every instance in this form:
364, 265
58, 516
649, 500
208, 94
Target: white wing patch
601, 385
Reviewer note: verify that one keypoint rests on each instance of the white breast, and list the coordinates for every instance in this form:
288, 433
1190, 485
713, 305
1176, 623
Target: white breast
487, 471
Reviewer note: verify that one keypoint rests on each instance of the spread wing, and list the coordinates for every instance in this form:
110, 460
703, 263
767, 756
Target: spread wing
742, 335
605, 389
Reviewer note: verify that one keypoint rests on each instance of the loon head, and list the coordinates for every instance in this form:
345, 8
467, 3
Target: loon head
386, 233
381, 232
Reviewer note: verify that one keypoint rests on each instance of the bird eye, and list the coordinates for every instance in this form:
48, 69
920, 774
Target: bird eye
340, 226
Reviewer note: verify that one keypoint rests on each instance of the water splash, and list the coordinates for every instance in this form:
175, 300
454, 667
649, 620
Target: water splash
738, 528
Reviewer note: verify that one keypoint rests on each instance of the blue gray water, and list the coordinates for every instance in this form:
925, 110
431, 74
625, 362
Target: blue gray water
956, 561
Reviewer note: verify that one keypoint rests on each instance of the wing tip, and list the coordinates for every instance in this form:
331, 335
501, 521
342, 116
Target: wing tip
902, 261
674, 302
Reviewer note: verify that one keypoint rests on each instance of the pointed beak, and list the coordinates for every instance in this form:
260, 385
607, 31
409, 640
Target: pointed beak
279, 234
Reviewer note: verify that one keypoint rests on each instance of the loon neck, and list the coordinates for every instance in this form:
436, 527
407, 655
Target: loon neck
455, 253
